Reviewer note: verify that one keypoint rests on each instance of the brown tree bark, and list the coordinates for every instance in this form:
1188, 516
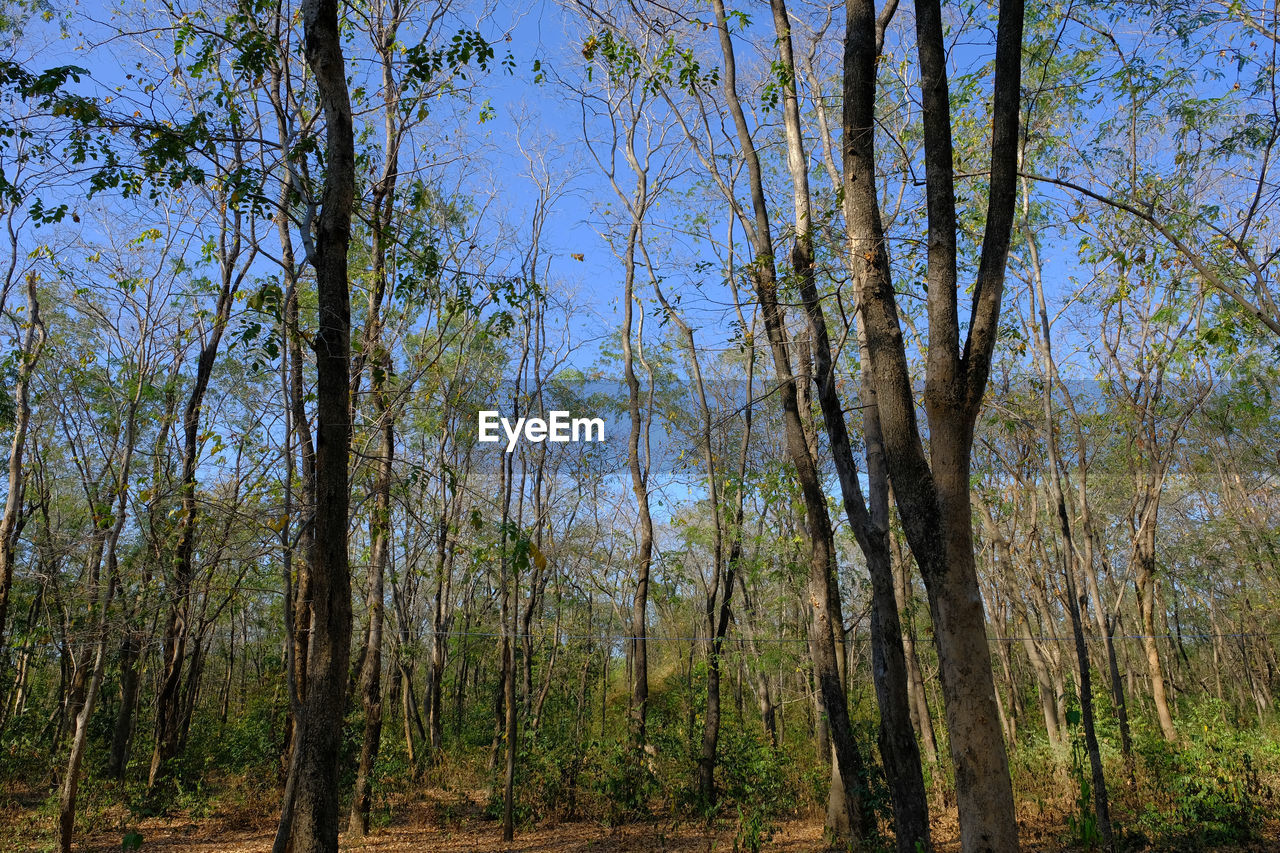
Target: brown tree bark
442, 613
933, 492
371, 675
847, 817
870, 523
1144, 557
637, 437
375, 353
315, 818
726, 556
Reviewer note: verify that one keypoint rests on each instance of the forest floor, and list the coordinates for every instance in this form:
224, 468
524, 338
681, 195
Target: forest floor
436, 821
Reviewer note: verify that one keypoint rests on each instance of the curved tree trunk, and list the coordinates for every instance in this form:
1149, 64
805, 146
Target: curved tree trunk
178, 623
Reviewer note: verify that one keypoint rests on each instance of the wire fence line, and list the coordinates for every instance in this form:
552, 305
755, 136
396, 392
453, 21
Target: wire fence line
703, 639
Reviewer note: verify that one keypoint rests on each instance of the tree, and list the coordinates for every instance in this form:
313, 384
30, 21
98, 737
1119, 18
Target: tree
315, 819
868, 520
932, 491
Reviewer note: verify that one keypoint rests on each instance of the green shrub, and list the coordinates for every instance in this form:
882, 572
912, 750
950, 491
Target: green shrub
757, 783
1206, 792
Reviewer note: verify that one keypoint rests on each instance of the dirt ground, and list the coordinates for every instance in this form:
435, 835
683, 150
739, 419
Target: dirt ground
433, 822
479, 837
485, 836
454, 822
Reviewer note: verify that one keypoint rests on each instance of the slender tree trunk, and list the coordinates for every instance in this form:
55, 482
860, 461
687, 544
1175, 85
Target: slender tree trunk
441, 618
32, 344
1145, 581
80, 738
371, 676
899, 750
178, 624
104, 570
315, 819
921, 717
846, 816
294, 555
376, 354
639, 485
1072, 563
505, 720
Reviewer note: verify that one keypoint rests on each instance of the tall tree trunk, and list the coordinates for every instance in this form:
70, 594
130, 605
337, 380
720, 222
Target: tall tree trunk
933, 492
371, 676
505, 719
294, 555
319, 736
376, 353
1145, 582
123, 731
80, 737
103, 581
440, 620
1071, 556
637, 436
725, 556
1101, 612
846, 816
178, 623
898, 748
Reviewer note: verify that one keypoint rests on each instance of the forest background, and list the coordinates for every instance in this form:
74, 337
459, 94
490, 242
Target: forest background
936, 347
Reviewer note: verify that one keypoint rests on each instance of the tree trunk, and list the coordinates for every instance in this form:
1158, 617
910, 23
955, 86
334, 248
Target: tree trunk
440, 621
899, 750
32, 344
315, 819
933, 493
1145, 581
1071, 556
123, 731
104, 563
639, 485
371, 676
377, 355
178, 623
921, 717
846, 816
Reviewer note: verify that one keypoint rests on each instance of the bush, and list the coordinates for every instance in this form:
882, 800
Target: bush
757, 783
1206, 792
622, 780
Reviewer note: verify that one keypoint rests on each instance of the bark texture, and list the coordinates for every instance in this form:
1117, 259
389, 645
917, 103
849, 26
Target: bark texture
932, 491
316, 813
